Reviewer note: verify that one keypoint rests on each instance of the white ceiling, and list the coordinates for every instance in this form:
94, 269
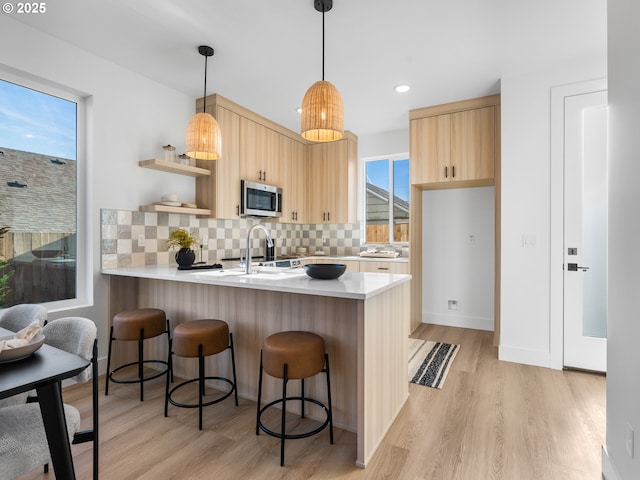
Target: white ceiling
269, 53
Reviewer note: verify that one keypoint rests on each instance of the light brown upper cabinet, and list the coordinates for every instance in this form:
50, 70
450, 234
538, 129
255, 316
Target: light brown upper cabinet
332, 170
220, 192
259, 153
318, 181
253, 148
454, 145
294, 170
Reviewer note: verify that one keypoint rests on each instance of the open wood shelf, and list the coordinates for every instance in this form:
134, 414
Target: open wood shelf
181, 210
171, 167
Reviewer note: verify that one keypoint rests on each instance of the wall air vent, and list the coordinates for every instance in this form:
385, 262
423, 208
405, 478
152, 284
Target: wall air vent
17, 184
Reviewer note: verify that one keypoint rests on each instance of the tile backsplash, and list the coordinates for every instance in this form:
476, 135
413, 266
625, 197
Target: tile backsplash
133, 238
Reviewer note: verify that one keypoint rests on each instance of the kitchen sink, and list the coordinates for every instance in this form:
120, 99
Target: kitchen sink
263, 273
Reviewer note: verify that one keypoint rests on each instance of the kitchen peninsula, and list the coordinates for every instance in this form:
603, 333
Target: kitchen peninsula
363, 317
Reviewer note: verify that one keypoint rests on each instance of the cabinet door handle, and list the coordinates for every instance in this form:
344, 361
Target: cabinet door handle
328, 216
238, 210
324, 216
383, 268
446, 172
453, 171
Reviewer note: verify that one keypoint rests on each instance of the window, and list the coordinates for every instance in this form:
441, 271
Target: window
387, 199
41, 246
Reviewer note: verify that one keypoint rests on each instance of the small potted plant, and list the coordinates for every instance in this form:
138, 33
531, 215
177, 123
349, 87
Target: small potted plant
183, 240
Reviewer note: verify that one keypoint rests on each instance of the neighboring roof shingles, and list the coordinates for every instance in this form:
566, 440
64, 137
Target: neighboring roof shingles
47, 203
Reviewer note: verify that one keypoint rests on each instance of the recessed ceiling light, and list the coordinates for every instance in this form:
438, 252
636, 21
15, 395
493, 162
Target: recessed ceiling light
402, 88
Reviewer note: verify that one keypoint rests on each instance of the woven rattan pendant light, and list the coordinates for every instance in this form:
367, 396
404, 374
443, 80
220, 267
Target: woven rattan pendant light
322, 116
203, 133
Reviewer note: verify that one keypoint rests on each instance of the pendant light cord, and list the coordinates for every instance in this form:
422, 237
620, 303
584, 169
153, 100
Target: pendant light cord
323, 44
205, 84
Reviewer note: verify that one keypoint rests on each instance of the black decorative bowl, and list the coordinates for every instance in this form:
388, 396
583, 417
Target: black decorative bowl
325, 271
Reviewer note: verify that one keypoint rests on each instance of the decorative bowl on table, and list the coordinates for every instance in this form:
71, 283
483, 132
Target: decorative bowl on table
18, 353
325, 271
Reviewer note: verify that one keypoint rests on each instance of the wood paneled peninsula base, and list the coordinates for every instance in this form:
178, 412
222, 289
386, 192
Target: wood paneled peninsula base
363, 317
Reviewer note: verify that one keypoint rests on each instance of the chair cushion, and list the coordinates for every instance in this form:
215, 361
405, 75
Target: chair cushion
19, 316
127, 324
303, 352
212, 334
23, 442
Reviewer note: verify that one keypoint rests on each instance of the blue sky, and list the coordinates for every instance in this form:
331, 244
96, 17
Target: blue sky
378, 174
35, 122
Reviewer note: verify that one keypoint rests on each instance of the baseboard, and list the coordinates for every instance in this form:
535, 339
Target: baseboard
609, 470
461, 321
537, 358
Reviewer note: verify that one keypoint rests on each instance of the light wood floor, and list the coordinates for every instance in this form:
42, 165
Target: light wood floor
492, 420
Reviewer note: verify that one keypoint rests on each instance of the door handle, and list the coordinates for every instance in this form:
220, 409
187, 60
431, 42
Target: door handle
574, 267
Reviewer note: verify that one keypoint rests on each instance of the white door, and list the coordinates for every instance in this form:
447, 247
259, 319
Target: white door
585, 231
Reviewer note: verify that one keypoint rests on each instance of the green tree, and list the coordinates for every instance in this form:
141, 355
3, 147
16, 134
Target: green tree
5, 274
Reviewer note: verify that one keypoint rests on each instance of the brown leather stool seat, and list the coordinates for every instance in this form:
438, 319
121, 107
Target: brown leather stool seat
200, 339
294, 355
138, 325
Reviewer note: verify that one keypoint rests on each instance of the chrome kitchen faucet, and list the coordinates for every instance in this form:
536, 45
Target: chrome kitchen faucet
247, 252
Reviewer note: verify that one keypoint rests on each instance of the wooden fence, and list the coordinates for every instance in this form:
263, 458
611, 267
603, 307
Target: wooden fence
379, 233
37, 280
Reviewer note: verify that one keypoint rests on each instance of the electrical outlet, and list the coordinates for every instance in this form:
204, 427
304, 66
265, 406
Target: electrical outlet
324, 240
205, 240
453, 304
629, 440
141, 240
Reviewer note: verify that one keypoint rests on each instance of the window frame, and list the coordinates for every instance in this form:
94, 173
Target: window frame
84, 285
363, 196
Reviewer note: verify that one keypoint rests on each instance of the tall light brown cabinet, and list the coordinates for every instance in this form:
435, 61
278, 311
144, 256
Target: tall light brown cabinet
454, 145
332, 178
319, 181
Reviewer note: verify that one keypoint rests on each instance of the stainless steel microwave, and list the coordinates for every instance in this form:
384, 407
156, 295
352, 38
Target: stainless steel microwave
260, 200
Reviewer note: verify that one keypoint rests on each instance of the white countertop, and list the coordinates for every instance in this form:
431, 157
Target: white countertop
356, 285
363, 259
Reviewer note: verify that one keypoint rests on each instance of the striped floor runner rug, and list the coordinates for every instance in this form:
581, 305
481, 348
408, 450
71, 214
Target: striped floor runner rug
429, 362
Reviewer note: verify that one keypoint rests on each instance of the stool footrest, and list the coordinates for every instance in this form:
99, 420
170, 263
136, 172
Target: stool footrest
294, 435
196, 405
137, 380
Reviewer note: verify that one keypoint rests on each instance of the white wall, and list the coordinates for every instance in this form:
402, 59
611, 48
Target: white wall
526, 189
387, 143
458, 257
623, 357
130, 118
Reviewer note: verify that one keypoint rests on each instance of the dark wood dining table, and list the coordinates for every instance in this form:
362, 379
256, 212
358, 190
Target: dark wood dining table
44, 372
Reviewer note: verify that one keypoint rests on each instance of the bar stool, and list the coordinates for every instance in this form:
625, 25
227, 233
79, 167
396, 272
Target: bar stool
293, 355
200, 339
138, 325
